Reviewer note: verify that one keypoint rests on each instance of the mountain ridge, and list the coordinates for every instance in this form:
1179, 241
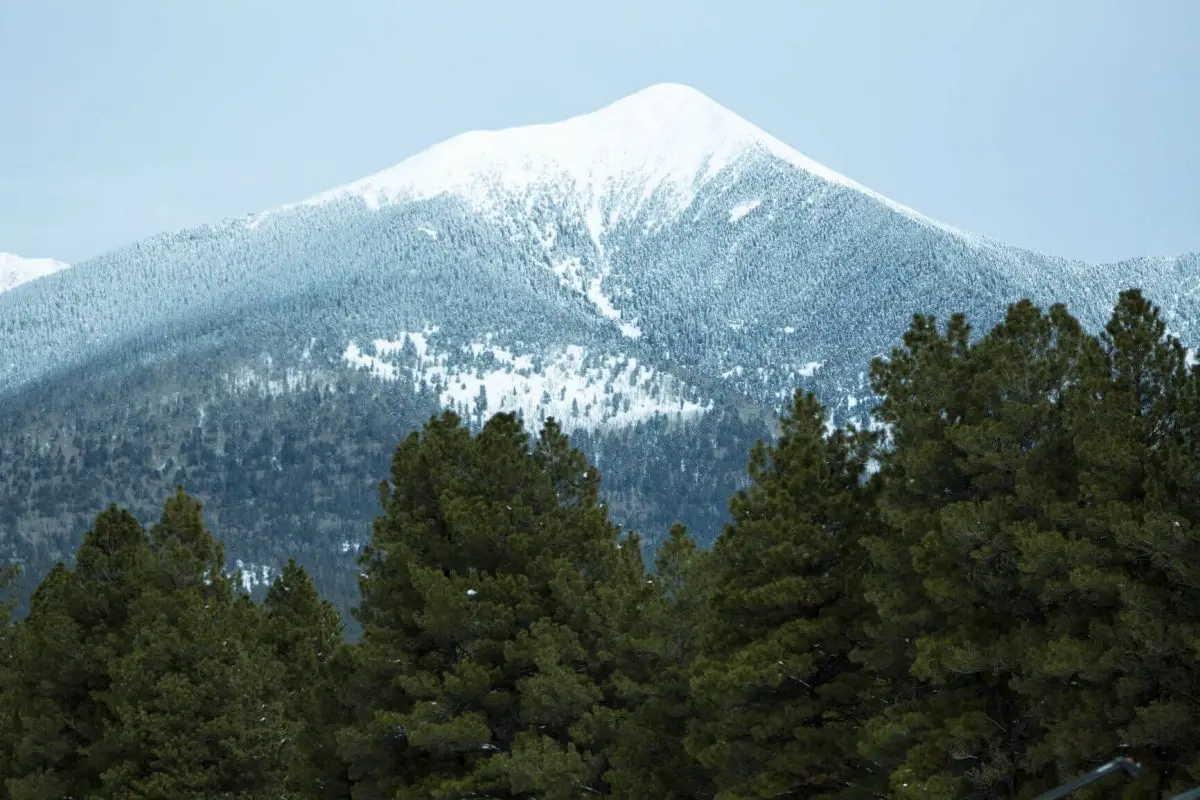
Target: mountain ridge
665, 310
691, 129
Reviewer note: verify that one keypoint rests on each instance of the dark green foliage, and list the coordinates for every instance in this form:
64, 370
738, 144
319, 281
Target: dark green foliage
194, 703
493, 592
273, 488
778, 699
650, 761
139, 672
294, 475
979, 479
77, 625
1035, 586
304, 635
8, 601
1121, 673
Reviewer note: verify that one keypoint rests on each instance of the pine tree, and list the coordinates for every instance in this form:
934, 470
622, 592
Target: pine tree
1120, 672
194, 700
304, 634
650, 761
8, 577
492, 595
976, 485
77, 624
779, 700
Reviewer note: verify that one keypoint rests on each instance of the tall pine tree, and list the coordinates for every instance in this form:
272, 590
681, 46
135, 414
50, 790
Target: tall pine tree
77, 625
779, 701
8, 576
1120, 673
650, 760
493, 593
977, 481
304, 635
193, 701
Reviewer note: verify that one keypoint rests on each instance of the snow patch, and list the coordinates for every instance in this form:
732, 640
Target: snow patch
253, 575
15, 270
604, 305
570, 275
482, 378
373, 364
601, 301
630, 331
742, 209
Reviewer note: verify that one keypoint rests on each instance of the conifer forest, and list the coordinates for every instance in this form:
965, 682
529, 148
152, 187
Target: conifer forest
991, 588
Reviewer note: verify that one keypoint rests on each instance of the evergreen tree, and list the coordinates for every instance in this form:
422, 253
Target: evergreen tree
493, 592
78, 623
304, 634
978, 481
778, 699
650, 761
1120, 672
8, 577
194, 703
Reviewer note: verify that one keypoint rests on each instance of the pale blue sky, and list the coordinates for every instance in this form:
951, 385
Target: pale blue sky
1068, 127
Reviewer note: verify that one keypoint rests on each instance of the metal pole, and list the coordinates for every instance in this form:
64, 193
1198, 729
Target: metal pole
1120, 764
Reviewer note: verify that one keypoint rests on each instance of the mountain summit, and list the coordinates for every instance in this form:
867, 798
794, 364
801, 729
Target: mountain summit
15, 270
659, 275
668, 137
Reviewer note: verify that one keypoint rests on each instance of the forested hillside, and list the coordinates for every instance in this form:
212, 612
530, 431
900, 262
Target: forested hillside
993, 588
294, 474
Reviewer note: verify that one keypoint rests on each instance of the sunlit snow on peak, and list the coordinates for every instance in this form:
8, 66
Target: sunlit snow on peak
15, 270
667, 136
666, 140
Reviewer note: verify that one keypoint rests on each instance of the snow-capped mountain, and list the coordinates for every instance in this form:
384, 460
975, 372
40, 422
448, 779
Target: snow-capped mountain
659, 274
668, 137
663, 219
15, 270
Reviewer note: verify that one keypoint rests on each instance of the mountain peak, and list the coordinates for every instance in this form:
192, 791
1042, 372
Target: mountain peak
15, 270
667, 136
663, 99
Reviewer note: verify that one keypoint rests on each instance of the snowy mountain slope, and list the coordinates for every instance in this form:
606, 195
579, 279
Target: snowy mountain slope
662, 219
15, 270
659, 273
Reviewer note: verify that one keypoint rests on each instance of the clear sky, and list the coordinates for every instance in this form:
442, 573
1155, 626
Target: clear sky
1068, 126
